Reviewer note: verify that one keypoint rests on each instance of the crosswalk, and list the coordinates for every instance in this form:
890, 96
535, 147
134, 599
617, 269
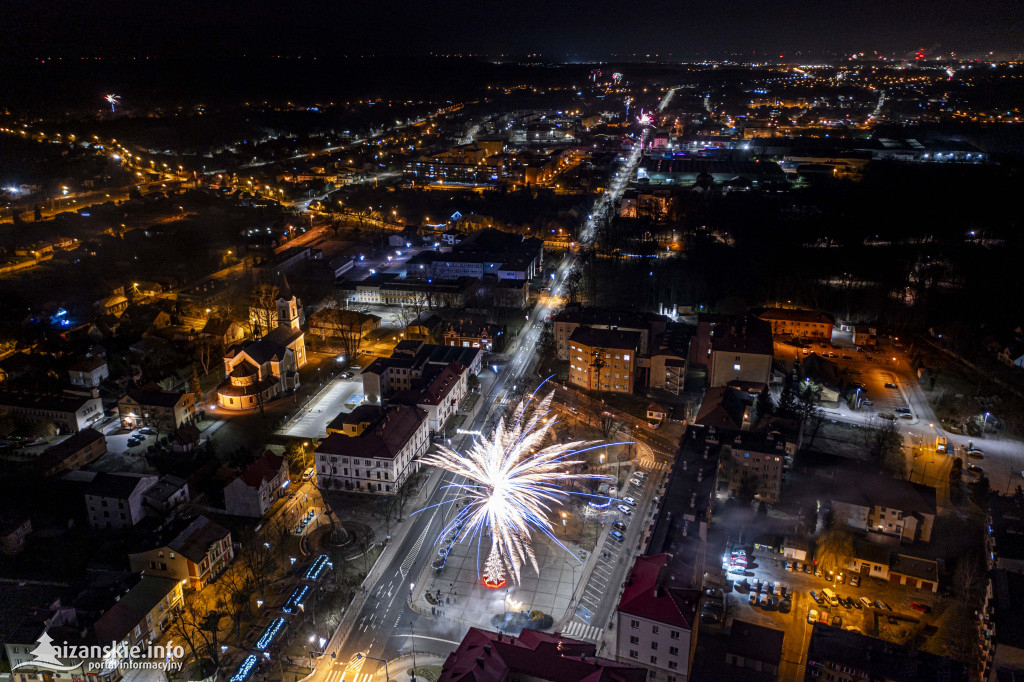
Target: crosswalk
348, 675
578, 630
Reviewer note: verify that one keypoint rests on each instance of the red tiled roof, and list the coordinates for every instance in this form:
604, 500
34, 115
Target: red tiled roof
442, 385
649, 598
263, 469
485, 656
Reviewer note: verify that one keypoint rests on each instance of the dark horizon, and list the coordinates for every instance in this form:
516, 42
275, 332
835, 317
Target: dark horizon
558, 32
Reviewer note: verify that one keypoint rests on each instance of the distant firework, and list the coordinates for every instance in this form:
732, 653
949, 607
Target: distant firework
114, 100
617, 78
628, 101
645, 118
595, 74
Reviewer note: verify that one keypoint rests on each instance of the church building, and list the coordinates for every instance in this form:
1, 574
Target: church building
259, 371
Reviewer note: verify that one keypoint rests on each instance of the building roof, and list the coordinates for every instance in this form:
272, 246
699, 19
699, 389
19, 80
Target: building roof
722, 408
746, 334
442, 385
796, 315
870, 490
69, 447
363, 414
649, 594
485, 656
132, 609
263, 469
384, 440
118, 486
915, 567
195, 540
878, 658
1008, 591
605, 338
756, 642
162, 490
156, 398
89, 363
50, 403
869, 551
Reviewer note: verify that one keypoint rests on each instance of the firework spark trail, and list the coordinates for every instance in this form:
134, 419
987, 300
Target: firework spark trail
513, 481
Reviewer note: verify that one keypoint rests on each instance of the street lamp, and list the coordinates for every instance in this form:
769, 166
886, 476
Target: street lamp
387, 676
983, 424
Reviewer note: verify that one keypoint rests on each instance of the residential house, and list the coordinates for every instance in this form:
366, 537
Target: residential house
888, 508
798, 323
725, 408
756, 649
253, 492
166, 494
648, 326
485, 656
741, 353
753, 460
73, 452
223, 331
114, 500
655, 621
150, 406
142, 614
372, 449
70, 413
14, 529
838, 654
90, 371
470, 332
603, 359
440, 398
192, 551
413, 364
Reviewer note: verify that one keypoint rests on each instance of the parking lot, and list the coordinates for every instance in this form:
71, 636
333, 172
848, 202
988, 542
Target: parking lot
898, 623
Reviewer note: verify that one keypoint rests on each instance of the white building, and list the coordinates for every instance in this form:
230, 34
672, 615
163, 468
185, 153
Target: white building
90, 371
254, 491
372, 449
114, 501
655, 621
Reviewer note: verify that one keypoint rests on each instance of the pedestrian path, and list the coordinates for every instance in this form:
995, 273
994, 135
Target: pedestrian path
577, 630
339, 672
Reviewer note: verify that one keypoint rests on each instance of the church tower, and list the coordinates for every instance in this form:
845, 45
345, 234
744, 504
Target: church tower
289, 308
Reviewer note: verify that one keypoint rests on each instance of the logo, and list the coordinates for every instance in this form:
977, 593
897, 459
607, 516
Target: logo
48, 656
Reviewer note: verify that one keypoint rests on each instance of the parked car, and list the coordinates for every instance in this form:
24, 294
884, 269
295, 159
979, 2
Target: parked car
903, 409
798, 566
867, 402
923, 608
975, 469
854, 580
882, 605
841, 579
618, 525
636, 482
619, 537
630, 501
856, 603
741, 586
763, 601
866, 602
779, 590
889, 384
837, 621
808, 569
812, 616
787, 566
625, 510
753, 598
641, 475
817, 597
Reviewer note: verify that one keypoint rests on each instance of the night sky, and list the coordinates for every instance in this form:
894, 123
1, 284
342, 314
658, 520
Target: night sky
560, 30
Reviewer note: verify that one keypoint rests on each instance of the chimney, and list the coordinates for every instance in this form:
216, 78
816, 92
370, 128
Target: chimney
487, 649
500, 635
480, 661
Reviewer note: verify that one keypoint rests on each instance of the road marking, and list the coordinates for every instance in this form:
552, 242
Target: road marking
578, 630
409, 560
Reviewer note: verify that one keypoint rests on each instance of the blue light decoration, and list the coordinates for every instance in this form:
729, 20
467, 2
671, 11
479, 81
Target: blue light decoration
316, 569
270, 634
296, 600
245, 670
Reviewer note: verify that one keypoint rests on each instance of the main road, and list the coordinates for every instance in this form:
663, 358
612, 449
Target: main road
383, 626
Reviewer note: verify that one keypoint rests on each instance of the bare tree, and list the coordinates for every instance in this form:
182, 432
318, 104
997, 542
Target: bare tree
189, 626
255, 555
237, 585
205, 350
262, 309
364, 537
966, 577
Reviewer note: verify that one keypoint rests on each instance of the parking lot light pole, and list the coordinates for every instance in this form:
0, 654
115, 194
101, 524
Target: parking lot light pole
984, 424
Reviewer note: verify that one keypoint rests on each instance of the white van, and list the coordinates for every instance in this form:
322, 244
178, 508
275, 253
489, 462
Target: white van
307, 474
830, 597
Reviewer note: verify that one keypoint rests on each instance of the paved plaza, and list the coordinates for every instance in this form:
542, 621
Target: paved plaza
465, 599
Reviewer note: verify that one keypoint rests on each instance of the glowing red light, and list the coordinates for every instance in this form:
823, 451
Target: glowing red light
494, 583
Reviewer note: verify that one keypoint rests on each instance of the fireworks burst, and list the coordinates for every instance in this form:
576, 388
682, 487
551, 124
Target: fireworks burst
645, 118
513, 481
114, 100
